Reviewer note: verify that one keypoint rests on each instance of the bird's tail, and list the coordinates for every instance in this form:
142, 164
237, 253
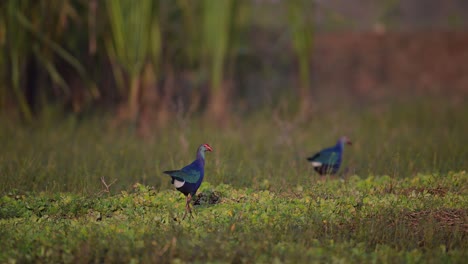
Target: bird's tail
312, 158
170, 172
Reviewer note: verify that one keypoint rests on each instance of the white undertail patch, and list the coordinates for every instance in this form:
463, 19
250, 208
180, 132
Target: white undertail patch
316, 163
178, 184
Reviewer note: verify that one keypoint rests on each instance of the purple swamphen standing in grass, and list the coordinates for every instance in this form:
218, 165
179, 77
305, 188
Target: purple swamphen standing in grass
328, 160
188, 179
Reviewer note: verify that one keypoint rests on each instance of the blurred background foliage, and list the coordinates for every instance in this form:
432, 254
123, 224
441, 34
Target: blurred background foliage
80, 78
146, 61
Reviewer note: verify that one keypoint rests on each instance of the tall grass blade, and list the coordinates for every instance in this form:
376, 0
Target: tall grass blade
65, 55
18, 50
217, 18
302, 38
130, 24
53, 72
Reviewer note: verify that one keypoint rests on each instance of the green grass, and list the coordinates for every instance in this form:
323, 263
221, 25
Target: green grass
398, 139
417, 220
403, 197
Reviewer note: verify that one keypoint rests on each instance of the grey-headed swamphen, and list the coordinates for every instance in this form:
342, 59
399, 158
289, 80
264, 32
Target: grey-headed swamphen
328, 160
188, 179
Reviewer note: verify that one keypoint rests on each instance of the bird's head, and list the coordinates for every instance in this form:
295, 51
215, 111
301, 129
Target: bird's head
345, 140
205, 147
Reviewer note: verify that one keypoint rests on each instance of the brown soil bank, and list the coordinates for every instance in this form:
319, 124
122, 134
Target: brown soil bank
373, 62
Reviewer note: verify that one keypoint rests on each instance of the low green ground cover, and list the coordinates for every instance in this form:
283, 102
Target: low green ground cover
373, 220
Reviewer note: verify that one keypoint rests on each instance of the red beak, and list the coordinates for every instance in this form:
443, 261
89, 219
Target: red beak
208, 147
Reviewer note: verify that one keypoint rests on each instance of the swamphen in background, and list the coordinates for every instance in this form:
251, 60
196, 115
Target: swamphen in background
188, 179
328, 160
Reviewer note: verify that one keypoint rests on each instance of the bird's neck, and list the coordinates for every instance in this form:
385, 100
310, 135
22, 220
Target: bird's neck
201, 157
340, 144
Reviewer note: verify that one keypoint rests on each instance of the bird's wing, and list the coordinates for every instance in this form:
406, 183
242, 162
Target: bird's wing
327, 156
190, 175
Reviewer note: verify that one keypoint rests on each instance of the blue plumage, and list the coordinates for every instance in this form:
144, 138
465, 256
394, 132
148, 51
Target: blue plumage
188, 179
328, 161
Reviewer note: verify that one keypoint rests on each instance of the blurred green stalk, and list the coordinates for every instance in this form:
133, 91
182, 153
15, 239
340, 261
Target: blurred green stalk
132, 36
302, 37
217, 20
18, 51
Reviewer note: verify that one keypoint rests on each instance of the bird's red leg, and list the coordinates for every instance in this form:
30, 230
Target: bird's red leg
187, 206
